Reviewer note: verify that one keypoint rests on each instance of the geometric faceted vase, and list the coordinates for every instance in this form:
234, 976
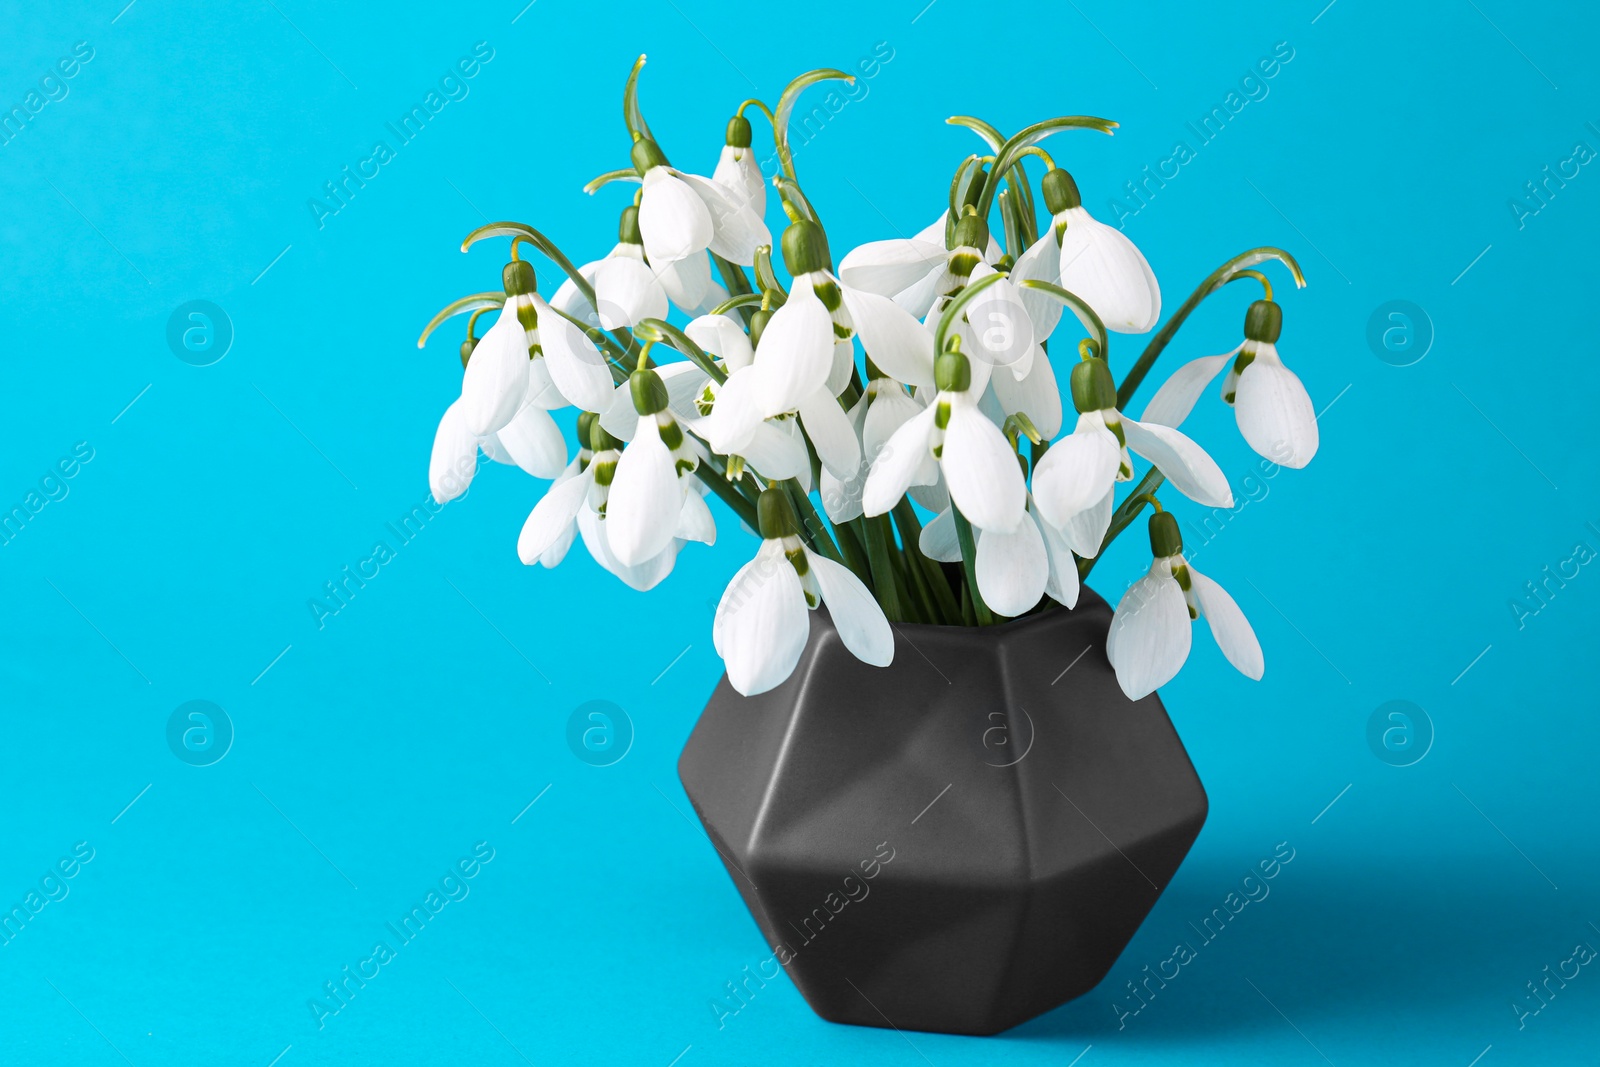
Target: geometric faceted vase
957, 842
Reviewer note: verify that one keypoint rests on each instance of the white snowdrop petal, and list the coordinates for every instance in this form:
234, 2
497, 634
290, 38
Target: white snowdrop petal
862, 626
981, 470
534, 442
495, 383
627, 291
1229, 626
761, 624
901, 461
688, 283
1012, 568
1037, 395
643, 576
887, 267
739, 173
1076, 471
1187, 466
1062, 586
1085, 531
831, 433
1104, 269
542, 392
551, 517
1150, 633
454, 459
1000, 323
889, 410
1178, 394
777, 451
673, 220
1275, 414
645, 499
939, 539
722, 336
1041, 262
737, 230
576, 366
796, 352
893, 339
695, 522
619, 418
735, 414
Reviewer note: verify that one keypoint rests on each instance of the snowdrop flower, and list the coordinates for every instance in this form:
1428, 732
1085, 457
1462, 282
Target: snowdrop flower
913, 271
682, 215
1150, 632
883, 408
1013, 569
648, 493
531, 440
762, 623
625, 286
996, 328
737, 170
1274, 413
1074, 482
1091, 260
495, 384
953, 438
577, 502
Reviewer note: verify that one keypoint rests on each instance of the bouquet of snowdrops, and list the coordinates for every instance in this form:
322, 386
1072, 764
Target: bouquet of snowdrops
906, 391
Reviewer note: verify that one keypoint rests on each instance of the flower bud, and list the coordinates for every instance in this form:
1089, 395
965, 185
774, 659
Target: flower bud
466, 349
587, 420
738, 135
649, 392
971, 232
1060, 192
1092, 386
758, 323
518, 279
775, 515
805, 248
599, 439
1165, 540
952, 373
628, 226
1263, 322
646, 154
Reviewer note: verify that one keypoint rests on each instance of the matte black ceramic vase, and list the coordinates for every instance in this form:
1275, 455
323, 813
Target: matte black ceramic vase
957, 842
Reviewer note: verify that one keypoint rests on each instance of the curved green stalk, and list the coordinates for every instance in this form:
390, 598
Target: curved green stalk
627, 174
1214, 281
1086, 314
786, 102
1123, 516
993, 137
539, 241
475, 302
631, 115
1011, 151
743, 300
660, 332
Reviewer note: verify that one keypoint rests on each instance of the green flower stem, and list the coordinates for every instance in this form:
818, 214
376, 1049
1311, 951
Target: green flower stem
473, 303
662, 332
718, 482
812, 523
1214, 281
1014, 149
1086, 314
733, 303
785, 108
879, 537
855, 555
1123, 516
944, 606
969, 556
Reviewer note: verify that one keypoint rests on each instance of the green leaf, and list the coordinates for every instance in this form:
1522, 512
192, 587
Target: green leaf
1011, 151
474, 302
627, 174
993, 137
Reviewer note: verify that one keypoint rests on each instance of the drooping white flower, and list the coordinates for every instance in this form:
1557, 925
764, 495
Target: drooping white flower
647, 494
682, 215
762, 622
1074, 482
1093, 261
953, 438
625, 286
1013, 569
495, 384
912, 271
737, 170
689, 285
1273, 410
1150, 632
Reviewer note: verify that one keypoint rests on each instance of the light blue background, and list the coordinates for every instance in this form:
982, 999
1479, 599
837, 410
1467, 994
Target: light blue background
427, 714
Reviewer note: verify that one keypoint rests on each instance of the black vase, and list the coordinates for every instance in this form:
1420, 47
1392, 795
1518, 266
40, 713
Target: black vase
957, 842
